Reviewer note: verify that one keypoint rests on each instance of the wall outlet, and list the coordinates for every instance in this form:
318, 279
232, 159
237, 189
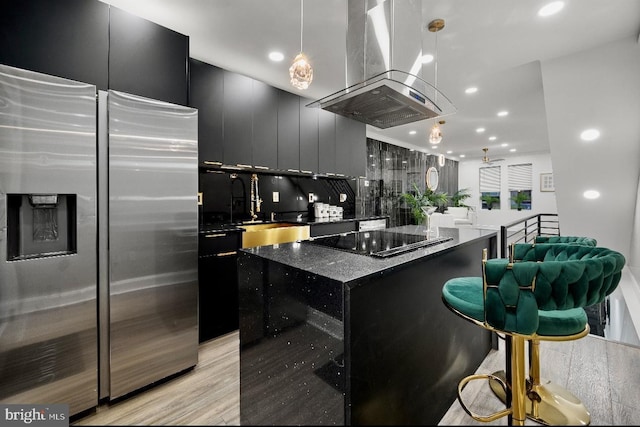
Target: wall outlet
276, 197
343, 197
311, 197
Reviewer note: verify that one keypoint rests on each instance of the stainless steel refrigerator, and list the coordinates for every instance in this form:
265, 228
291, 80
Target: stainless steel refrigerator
98, 241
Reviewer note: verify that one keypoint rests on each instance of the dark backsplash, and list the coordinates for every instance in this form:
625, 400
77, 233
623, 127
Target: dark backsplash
226, 196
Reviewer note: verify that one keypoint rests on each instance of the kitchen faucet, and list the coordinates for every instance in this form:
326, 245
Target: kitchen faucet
256, 201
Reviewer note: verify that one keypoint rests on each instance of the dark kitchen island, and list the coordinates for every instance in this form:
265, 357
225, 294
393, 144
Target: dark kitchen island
328, 336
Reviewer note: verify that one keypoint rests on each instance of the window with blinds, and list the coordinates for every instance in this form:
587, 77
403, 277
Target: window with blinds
520, 183
490, 187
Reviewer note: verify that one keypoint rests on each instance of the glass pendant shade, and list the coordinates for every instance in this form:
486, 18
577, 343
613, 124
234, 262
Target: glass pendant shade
435, 136
301, 72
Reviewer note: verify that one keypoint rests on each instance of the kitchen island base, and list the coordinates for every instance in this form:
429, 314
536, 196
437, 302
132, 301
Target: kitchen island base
368, 347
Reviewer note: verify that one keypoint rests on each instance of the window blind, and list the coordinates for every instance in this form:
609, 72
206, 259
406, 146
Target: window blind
519, 177
490, 179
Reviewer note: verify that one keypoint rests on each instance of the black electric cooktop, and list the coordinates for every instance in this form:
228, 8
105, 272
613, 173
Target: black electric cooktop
378, 243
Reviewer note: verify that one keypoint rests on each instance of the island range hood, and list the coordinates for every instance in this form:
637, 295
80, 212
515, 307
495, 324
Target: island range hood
384, 38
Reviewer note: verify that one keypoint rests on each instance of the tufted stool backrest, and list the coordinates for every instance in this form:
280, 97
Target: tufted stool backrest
546, 277
587, 241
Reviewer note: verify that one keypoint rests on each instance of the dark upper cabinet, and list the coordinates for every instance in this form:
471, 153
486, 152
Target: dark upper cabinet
326, 142
64, 38
237, 118
288, 131
351, 147
308, 137
147, 59
206, 94
264, 144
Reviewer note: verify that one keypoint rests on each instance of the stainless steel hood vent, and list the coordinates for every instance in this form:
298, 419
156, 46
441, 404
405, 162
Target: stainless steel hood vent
377, 92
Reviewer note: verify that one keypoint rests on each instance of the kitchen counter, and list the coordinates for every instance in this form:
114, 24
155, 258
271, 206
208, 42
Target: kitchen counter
332, 337
223, 227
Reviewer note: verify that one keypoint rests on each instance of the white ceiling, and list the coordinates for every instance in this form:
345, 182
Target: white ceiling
496, 45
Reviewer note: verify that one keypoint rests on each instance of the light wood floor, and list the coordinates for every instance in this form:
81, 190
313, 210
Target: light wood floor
604, 374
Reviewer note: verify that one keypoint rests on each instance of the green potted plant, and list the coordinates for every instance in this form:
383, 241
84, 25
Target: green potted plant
416, 200
458, 198
519, 198
439, 199
489, 200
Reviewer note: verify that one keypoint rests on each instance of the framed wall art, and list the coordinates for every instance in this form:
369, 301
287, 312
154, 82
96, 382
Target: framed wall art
546, 182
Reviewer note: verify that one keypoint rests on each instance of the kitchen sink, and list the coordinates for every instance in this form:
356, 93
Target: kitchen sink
272, 233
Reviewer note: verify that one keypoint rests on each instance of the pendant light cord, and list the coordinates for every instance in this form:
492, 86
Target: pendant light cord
301, 22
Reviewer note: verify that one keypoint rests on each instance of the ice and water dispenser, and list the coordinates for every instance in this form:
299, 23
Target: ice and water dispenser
40, 225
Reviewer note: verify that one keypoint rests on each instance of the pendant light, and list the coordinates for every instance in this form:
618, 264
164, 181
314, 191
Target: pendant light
300, 71
435, 135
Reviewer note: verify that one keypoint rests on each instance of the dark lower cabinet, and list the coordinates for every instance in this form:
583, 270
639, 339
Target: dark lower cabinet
218, 284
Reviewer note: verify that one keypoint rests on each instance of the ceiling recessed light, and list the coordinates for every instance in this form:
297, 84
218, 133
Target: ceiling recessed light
503, 113
471, 89
591, 194
504, 144
513, 150
551, 8
449, 152
492, 138
427, 58
412, 132
480, 130
461, 155
276, 56
590, 134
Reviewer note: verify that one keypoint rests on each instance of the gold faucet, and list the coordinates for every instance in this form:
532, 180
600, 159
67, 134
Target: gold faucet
256, 201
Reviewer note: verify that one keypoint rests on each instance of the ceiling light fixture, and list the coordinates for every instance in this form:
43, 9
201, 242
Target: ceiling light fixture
300, 71
551, 8
276, 56
590, 135
493, 138
480, 130
435, 135
470, 90
591, 194
503, 113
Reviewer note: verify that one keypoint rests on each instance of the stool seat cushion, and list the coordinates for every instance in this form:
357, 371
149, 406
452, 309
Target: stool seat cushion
464, 294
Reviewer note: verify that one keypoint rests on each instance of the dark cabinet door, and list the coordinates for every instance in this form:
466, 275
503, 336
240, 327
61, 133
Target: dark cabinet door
237, 118
265, 125
218, 296
351, 147
147, 59
326, 141
65, 38
206, 94
288, 131
308, 137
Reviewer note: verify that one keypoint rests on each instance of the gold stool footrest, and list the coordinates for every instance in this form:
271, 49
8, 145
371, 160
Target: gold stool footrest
547, 403
492, 378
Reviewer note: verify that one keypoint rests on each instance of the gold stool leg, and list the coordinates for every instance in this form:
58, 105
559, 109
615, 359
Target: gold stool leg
546, 402
518, 382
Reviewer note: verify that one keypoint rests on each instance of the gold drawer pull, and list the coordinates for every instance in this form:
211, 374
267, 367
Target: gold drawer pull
215, 235
227, 253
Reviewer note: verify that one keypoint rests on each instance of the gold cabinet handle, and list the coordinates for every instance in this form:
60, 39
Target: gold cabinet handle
215, 235
227, 253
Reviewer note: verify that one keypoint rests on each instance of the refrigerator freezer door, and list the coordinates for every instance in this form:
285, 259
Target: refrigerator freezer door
48, 331
153, 246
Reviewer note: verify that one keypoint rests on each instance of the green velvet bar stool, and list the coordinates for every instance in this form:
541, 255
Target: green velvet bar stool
540, 297
578, 240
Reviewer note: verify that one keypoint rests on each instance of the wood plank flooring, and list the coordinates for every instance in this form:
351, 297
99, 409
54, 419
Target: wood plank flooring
604, 374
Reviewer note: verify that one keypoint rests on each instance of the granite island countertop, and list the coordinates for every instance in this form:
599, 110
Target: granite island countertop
345, 267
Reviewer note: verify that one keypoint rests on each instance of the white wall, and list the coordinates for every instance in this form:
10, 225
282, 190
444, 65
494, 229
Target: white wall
541, 202
597, 88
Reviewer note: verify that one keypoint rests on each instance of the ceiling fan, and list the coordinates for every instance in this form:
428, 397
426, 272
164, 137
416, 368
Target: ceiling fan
486, 160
